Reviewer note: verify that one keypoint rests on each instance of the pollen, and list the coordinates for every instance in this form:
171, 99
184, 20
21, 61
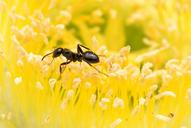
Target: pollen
93, 99
88, 84
60, 26
105, 100
137, 108
19, 62
116, 123
166, 93
125, 51
103, 105
39, 85
18, 80
70, 94
76, 82
52, 82
162, 117
118, 102
64, 104
66, 14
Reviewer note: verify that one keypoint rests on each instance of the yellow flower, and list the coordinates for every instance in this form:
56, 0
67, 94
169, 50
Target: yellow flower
144, 48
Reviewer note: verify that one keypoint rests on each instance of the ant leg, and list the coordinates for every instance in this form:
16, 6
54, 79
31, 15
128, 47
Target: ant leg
64, 63
97, 69
83, 46
79, 49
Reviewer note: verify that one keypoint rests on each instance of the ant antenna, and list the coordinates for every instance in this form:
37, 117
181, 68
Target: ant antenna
98, 70
46, 56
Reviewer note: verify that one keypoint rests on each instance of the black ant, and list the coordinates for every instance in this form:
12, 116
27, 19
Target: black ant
88, 56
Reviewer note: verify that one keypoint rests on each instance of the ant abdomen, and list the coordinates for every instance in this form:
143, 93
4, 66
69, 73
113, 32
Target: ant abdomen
90, 57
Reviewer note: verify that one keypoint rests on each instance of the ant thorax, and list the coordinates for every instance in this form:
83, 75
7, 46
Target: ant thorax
77, 57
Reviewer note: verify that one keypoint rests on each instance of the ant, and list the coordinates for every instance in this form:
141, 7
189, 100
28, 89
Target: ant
88, 56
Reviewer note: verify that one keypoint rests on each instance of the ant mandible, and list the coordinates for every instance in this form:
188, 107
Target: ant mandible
88, 56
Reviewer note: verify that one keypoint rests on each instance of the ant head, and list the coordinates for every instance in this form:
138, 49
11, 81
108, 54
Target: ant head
57, 52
